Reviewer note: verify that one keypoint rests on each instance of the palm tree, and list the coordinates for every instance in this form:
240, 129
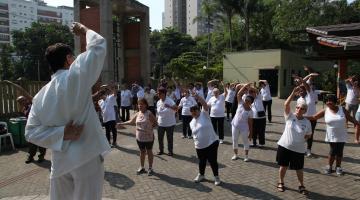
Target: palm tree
246, 9
228, 8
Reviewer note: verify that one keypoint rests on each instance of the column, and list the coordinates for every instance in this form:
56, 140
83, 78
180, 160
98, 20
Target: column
341, 76
145, 46
106, 30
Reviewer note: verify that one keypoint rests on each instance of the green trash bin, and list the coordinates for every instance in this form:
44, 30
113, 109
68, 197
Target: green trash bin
14, 129
22, 124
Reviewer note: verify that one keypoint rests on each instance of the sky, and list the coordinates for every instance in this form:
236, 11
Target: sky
156, 8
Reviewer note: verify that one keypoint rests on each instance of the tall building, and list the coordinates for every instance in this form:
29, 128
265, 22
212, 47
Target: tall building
175, 14
19, 14
181, 14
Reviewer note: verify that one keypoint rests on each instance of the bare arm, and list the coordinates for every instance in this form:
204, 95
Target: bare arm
349, 117
241, 91
153, 119
317, 116
289, 99
225, 89
201, 101
130, 122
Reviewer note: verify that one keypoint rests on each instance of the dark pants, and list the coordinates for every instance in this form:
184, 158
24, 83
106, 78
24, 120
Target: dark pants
208, 154
267, 107
186, 119
310, 140
228, 107
259, 130
125, 113
33, 149
110, 126
218, 125
169, 135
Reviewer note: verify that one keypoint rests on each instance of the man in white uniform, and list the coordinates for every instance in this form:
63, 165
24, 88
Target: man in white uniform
63, 119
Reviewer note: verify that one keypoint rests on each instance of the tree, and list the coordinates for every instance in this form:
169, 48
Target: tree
31, 44
6, 67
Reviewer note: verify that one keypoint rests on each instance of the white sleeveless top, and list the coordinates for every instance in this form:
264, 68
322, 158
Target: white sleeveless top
336, 130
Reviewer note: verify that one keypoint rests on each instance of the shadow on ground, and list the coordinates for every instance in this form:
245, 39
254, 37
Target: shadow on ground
179, 182
119, 181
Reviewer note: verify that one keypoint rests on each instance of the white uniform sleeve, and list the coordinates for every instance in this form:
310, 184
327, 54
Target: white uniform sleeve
45, 136
86, 69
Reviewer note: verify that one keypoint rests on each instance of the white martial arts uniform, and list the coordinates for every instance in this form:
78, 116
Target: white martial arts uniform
77, 170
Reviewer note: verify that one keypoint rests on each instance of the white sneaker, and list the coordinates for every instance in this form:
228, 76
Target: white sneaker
308, 153
235, 157
199, 178
246, 159
217, 180
339, 171
221, 141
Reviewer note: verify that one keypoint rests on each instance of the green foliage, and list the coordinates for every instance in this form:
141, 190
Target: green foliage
31, 44
6, 67
329, 80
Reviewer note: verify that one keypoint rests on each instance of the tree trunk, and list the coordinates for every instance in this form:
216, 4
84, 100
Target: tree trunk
230, 31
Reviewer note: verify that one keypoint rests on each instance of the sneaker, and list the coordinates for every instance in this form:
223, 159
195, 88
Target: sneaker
40, 160
308, 153
217, 180
221, 141
160, 153
190, 137
170, 154
253, 145
150, 172
246, 159
183, 137
327, 170
235, 157
141, 170
29, 160
261, 146
339, 171
199, 178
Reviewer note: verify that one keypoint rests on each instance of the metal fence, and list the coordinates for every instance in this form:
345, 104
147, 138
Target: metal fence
8, 95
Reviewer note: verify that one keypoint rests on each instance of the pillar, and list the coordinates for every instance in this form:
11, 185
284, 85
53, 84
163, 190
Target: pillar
145, 46
106, 30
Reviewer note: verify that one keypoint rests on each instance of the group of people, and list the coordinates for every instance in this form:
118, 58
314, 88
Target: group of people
63, 118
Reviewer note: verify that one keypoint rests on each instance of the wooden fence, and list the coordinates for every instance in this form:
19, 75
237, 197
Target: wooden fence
8, 95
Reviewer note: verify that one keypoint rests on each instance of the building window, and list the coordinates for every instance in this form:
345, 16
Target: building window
284, 77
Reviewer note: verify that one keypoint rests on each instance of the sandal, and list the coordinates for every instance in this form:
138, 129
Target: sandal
281, 187
302, 190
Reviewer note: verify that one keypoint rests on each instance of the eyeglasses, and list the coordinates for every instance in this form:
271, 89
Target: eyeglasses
301, 108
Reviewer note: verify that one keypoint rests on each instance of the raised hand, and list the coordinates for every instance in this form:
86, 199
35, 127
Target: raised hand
78, 28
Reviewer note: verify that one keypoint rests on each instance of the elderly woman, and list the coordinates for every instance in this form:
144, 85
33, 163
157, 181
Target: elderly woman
144, 121
291, 146
242, 122
336, 131
205, 139
217, 111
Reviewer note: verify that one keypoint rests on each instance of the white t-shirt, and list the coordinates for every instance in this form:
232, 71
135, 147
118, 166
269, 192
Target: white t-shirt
149, 97
257, 106
203, 131
209, 94
107, 108
265, 92
293, 137
241, 118
140, 93
351, 95
186, 103
126, 97
200, 92
230, 96
166, 116
217, 106
336, 130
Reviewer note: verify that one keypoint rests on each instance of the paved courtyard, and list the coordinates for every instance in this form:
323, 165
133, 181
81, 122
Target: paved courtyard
173, 178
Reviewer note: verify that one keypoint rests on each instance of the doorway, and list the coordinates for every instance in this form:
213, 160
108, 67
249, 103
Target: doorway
271, 75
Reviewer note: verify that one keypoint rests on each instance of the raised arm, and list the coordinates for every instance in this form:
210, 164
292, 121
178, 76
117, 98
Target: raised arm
241, 90
289, 99
224, 88
21, 89
201, 101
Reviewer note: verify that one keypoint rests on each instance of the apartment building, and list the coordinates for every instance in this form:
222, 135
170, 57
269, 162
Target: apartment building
182, 14
19, 14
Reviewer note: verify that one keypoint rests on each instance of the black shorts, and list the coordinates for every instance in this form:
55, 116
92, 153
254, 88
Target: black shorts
145, 145
286, 157
336, 148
